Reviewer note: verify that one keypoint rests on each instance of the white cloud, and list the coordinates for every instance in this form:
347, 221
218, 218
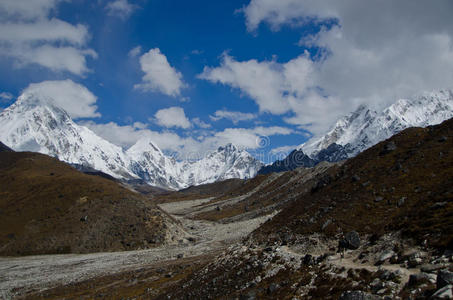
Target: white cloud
27, 10
120, 8
259, 80
5, 97
234, 116
159, 74
74, 98
172, 117
135, 51
378, 52
200, 123
29, 35
283, 150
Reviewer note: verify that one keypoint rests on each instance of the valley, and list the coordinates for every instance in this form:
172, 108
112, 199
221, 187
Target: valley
277, 235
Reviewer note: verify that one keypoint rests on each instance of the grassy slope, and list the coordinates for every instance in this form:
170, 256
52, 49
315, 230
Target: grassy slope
43, 200
363, 194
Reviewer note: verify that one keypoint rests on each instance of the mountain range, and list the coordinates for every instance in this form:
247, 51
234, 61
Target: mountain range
34, 123
365, 127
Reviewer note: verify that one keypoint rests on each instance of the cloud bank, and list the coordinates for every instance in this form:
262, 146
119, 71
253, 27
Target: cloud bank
29, 35
366, 53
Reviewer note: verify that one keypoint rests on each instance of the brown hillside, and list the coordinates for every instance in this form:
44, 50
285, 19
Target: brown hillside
47, 206
404, 183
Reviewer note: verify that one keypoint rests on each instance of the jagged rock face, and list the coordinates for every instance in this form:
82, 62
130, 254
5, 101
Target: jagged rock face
365, 128
295, 159
36, 124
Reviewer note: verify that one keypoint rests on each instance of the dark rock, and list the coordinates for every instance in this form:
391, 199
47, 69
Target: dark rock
272, 288
443, 139
378, 199
180, 256
308, 260
218, 208
355, 178
389, 147
249, 296
438, 205
444, 293
444, 278
4, 148
414, 260
352, 240
401, 201
295, 159
429, 268
417, 279
84, 218
326, 224
357, 295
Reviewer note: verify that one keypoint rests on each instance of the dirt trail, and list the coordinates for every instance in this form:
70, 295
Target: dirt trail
19, 275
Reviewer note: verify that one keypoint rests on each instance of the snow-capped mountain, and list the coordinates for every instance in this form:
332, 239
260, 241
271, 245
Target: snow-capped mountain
34, 123
365, 128
224, 163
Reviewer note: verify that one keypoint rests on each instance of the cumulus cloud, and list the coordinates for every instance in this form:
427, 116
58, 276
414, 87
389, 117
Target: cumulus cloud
159, 75
234, 116
258, 80
367, 53
74, 98
120, 8
172, 117
29, 35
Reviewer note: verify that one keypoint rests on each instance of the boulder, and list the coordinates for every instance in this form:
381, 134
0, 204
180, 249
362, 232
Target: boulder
352, 240
444, 278
357, 295
444, 293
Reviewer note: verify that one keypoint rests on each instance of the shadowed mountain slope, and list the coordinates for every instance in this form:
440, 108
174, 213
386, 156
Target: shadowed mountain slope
46, 206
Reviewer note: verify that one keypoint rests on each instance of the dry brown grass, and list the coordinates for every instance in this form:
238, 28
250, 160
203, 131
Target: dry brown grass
44, 204
420, 170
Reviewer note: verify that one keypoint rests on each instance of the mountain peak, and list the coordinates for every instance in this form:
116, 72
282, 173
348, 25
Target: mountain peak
364, 128
227, 148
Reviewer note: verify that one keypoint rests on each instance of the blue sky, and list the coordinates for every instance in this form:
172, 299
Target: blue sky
278, 72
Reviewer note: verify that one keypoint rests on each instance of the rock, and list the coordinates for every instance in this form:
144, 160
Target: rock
417, 279
438, 205
180, 256
249, 296
84, 218
444, 293
218, 208
352, 240
430, 268
401, 201
326, 223
378, 199
272, 288
414, 260
308, 260
443, 139
444, 278
389, 147
357, 295
376, 285
355, 178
